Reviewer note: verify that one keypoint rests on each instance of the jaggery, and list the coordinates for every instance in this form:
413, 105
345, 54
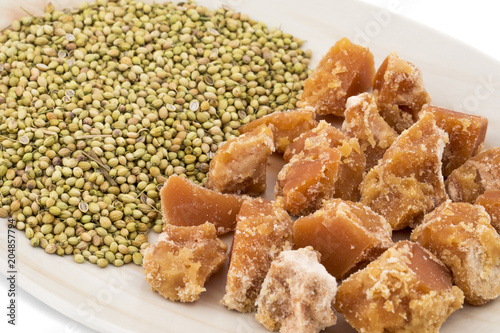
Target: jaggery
363, 121
466, 133
263, 230
347, 234
460, 234
407, 289
346, 70
308, 179
182, 260
408, 182
239, 165
286, 127
479, 174
298, 294
490, 200
184, 203
399, 92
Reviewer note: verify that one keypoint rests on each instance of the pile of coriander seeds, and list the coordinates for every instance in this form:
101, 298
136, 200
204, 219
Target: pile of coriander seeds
99, 105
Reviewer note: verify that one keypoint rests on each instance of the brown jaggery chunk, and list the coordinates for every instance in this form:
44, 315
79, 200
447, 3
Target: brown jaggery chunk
460, 234
408, 183
363, 121
286, 127
239, 165
479, 174
308, 179
352, 164
346, 70
298, 294
347, 234
490, 200
399, 92
182, 260
466, 133
263, 230
407, 289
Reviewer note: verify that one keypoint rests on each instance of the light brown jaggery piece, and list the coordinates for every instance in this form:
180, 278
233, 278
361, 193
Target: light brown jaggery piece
287, 126
352, 166
239, 165
346, 70
408, 183
363, 121
308, 179
465, 131
182, 260
460, 234
298, 294
479, 174
347, 234
407, 289
263, 230
184, 203
399, 92
490, 200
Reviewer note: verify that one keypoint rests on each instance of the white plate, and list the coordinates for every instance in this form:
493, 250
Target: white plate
119, 299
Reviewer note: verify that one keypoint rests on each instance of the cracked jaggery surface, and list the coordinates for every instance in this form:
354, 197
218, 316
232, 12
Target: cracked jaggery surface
490, 200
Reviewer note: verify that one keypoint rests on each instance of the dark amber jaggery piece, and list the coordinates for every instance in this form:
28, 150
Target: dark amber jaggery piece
479, 174
239, 165
263, 230
363, 121
298, 294
408, 183
460, 234
399, 92
407, 289
465, 131
490, 200
287, 126
346, 70
184, 203
347, 234
182, 260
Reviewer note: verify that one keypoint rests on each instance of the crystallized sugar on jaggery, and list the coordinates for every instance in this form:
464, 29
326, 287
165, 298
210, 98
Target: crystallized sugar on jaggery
298, 294
363, 121
286, 127
479, 174
399, 92
346, 70
490, 200
460, 234
181, 261
347, 234
239, 165
263, 230
407, 289
408, 183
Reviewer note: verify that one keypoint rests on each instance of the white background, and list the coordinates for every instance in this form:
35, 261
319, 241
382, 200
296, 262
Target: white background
473, 22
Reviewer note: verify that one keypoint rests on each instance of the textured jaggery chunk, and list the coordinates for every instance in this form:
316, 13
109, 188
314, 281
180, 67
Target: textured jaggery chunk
184, 203
407, 289
490, 200
239, 165
460, 234
286, 127
347, 234
352, 161
308, 179
466, 133
363, 121
399, 92
479, 174
408, 183
346, 70
298, 294
181, 261
263, 230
